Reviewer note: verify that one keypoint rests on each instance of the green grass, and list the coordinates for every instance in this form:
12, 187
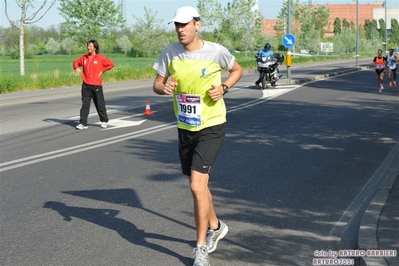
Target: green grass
55, 71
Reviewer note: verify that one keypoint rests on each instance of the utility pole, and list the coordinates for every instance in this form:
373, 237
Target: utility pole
357, 33
289, 31
386, 27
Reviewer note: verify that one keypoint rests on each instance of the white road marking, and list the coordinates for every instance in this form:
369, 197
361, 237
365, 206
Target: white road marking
104, 142
120, 123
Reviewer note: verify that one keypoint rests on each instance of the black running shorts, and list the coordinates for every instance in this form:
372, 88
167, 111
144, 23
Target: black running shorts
198, 150
379, 71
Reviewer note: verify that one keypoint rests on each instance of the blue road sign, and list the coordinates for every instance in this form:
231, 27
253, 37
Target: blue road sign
288, 40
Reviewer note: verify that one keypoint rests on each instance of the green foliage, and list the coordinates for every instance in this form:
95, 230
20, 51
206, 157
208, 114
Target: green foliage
345, 41
87, 19
124, 44
394, 40
337, 26
149, 36
52, 46
382, 28
68, 45
212, 16
345, 24
235, 26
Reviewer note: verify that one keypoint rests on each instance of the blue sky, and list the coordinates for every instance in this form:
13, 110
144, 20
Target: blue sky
165, 9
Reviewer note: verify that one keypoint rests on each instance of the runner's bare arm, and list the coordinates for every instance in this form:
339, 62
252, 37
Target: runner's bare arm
162, 86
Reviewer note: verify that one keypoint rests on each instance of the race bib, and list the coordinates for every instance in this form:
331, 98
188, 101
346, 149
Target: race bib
189, 109
379, 66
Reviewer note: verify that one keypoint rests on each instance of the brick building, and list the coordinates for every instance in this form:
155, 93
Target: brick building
346, 11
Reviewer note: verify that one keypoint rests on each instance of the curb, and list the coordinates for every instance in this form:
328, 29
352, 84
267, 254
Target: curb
368, 230
327, 75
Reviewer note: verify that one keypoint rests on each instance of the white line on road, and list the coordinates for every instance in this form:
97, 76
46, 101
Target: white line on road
83, 147
104, 142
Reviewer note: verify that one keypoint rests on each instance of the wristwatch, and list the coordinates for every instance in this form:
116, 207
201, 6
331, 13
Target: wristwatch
225, 88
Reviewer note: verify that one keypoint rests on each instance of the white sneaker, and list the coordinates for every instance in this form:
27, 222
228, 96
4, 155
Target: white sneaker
213, 236
104, 124
81, 126
201, 256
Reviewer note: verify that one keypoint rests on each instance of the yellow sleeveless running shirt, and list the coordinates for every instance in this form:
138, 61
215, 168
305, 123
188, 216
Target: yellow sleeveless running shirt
195, 72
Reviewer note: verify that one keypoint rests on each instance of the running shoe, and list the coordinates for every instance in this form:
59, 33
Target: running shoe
201, 256
394, 83
81, 126
104, 125
390, 84
257, 85
213, 236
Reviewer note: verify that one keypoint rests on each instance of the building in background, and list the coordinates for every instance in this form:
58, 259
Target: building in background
348, 11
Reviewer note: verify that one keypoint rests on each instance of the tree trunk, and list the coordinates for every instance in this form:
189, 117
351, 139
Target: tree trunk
21, 50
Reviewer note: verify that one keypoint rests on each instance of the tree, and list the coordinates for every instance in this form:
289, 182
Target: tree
313, 22
337, 26
52, 46
68, 45
383, 27
212, 15
374, 30
26, 19
150, 36
124, 43
296, 10
353, 27
345, 24
247, 23
87, 19
344, 41
248, 42
394, 32
367, 28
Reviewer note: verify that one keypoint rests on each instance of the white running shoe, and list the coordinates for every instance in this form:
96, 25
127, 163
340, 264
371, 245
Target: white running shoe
81, 126
104, 124
201, 256
213, 236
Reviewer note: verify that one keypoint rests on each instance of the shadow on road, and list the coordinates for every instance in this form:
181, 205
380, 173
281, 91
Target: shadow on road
108, 218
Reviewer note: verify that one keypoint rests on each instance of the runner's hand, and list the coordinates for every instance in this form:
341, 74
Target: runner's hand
216, 93
170, 86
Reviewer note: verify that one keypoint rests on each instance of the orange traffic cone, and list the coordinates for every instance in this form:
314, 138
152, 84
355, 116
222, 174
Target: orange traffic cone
147, 109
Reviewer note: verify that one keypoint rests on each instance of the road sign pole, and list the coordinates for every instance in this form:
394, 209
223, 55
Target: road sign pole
288, 31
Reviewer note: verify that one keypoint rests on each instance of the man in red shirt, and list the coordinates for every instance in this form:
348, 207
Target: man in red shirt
93, 64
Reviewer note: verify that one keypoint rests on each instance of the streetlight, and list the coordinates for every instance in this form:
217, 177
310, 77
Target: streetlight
357, 33
386, 27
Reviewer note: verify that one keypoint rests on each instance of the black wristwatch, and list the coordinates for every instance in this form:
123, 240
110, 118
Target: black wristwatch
225, 88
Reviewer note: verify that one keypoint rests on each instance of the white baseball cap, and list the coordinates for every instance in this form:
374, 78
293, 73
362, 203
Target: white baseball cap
185, 14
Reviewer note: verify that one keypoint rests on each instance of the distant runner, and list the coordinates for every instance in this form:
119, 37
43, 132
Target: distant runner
379, 64
392, 60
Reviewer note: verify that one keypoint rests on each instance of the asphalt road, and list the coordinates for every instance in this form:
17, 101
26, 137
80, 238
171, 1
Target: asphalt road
294, 161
